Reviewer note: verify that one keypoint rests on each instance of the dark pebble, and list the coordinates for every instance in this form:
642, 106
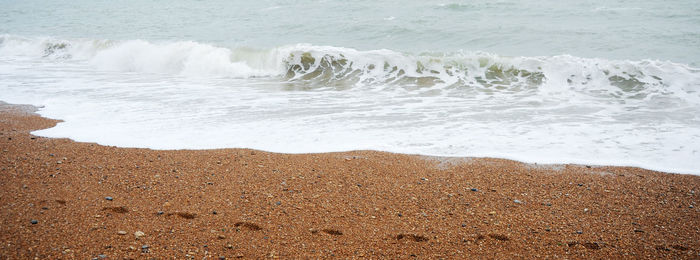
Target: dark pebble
400, 215
109, 198
144, 247
102, 256
160, 213
579, 232
475, 189
214, 212
278, 203
464, 225
34, 221
222, 257
580, 184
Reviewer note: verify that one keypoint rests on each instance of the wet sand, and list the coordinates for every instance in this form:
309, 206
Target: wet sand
63, 199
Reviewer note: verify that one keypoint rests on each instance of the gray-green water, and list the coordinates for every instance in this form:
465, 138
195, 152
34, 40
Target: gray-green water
635, 30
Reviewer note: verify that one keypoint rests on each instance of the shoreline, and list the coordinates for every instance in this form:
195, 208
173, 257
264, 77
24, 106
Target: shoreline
254, 204
33, 109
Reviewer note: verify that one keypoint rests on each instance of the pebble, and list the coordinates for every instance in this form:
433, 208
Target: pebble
34, 221
691, 206
160, 213
109, 198
229, 246
139, 234
475, 189
579, 232
517, 201
278, 203
214, 212
121, 232
102, 256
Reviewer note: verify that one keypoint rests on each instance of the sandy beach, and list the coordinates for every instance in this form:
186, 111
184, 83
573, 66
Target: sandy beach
70, 200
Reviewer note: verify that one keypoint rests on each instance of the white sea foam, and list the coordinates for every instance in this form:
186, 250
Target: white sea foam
307, 98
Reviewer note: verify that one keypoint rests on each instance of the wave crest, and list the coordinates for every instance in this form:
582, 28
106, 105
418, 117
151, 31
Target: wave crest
317, 67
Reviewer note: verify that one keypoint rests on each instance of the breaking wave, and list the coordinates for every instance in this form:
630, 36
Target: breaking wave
346, 68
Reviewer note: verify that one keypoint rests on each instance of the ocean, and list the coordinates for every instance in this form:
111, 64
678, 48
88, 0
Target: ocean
587, 82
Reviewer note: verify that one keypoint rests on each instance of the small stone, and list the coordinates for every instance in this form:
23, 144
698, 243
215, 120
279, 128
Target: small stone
34, 221
580, 184
102, 256
517, 201
139, 234
221, 237
166, 204
222, 257
160, 212
214, 212
492, 213
59, 162
109, 198
579, 232
229, 246
278, 203
691, 206
121, 232
585, 210
399, 214
475, 189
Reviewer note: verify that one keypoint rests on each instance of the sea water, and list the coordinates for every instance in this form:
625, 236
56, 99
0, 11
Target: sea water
589, 82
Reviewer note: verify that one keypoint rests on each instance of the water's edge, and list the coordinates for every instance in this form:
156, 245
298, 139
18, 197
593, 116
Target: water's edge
442, 161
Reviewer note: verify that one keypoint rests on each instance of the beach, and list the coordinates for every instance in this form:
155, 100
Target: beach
74, 200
